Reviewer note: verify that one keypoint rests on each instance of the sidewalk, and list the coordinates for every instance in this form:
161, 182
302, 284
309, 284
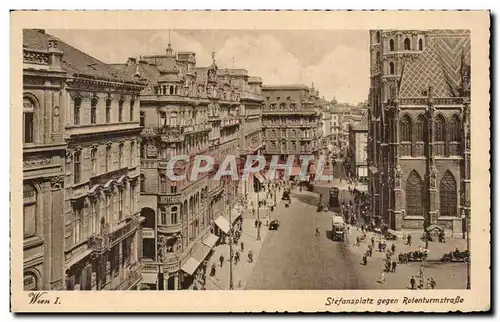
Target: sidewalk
243, 269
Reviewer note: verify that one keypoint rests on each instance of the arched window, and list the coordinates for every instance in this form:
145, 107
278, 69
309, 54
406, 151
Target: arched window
29, 210
108, 110
93, 110
419, 129
439, 125
30, 281
405, 129
171, 90
163, 183
142, 119
377, 36
120, 111
174, 215
28, 121
132, 103
163, 216
391, 68
77, 105
414, 195
143, 183
93, 161
391, 45
107, 165
455, 129
420, 44
407, 44
448, 195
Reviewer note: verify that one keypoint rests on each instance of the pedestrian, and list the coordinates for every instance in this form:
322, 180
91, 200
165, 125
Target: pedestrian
213, 270
373, 241
421, 284
428, 284
393, 248
382, 277
421, 271
365, 261
221, 260
394, 265
412, 282
433, 283
409, 240
242, 246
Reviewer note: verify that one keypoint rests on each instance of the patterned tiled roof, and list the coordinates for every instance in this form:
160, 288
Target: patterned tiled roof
74, 61
438, 66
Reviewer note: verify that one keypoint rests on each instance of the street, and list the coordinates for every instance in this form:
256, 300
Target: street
294, 258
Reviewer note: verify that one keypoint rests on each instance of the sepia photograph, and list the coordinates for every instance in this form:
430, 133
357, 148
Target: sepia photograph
251, 159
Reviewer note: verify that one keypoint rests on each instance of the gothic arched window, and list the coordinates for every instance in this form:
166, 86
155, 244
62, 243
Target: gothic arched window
405, 129
448, 195
419, 130
414, 195
391, 45
391, 68
407, 44
455, 129
439, 125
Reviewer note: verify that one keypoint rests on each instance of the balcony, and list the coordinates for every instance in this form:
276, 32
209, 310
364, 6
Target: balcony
169, 230
288, 112
227, 122
133, 277
123, 231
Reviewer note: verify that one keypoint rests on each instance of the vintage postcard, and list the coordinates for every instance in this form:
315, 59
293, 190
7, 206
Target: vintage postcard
250, 161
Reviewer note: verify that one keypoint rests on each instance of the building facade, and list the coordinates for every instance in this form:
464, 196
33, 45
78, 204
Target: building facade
357, 150
185, 111
93, 110
419, 91
290, 122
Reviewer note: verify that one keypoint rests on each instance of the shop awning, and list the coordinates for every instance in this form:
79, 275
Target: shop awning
201, 252
222, 223
190, 265
210, 240
295, 171
149, 278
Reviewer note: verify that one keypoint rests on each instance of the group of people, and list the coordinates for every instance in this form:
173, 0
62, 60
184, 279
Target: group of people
423, 283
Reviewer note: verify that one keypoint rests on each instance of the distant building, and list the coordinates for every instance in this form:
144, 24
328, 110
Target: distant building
419, 92
357, 151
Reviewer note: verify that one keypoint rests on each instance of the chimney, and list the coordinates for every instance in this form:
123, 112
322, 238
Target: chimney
54, 54
131, 60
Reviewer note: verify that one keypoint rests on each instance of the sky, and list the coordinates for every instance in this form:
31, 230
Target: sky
337, 61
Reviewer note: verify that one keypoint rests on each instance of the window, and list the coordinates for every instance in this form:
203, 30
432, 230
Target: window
420, 44
405, 129
143, 183
163, 216
448, 195
419, 131
173, 187
174, 216
163, 184
455, 129
171, 90
93, 161
77, 167
163, 118
28, 121
407, 44
77, 102
93, 217
391, 68
132, 103
440, 128
391, 45
108, 159
142, 119
93, 110
120, 156
132, 150
29, 210
108, 110
121, 201
414, 195
120, 111
377, 37
77, 223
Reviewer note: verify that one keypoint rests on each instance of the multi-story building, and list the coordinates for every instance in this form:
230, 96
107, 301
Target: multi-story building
357, 150
88, 112
419, 90
186, 111
290, 122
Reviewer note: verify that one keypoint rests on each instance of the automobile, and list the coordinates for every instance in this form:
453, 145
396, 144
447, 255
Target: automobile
274, 224
456, 257
417, 255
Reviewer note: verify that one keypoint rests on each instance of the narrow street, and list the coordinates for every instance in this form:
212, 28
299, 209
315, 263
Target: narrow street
294, 258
